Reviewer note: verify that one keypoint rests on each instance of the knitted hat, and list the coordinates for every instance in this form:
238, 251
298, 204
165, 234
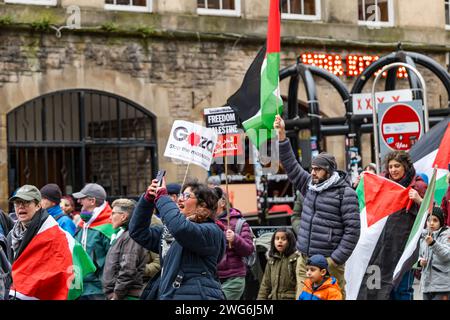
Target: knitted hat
51, 192
438, 213
173, 188
325, 161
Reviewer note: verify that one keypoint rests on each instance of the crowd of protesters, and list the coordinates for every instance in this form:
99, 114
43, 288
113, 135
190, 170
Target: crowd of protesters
188, 242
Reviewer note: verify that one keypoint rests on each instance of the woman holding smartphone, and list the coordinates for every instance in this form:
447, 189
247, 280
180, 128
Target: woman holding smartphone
190, 243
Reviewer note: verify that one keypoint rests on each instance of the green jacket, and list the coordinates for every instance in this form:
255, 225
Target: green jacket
279, 281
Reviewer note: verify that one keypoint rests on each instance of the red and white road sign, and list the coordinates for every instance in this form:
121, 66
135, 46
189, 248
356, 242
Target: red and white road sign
401, 127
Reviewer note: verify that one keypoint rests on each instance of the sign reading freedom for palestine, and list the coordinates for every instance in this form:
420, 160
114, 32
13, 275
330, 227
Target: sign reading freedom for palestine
223, 121
192, 143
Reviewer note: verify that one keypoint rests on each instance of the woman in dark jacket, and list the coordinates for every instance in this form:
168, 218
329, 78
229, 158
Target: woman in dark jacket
399, 168
190, 243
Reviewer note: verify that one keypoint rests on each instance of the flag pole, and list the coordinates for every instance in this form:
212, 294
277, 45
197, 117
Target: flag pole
430, 208
227, 199
185, 175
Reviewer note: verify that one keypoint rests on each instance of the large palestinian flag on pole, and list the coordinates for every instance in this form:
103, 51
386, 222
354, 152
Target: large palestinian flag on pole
51, 267
258, 100
369, 270
431, 150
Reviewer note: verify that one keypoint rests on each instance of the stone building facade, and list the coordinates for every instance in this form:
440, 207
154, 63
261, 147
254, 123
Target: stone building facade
174, 60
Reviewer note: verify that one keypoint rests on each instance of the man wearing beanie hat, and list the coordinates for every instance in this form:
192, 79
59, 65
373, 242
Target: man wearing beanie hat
319, 285
329, 224
51, 197
434, 257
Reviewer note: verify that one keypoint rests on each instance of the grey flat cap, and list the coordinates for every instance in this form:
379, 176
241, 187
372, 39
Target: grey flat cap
92, 190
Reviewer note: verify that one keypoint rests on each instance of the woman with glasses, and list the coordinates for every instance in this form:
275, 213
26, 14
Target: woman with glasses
190, 243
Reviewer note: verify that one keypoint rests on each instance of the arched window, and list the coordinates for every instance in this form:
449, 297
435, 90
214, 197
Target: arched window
78, 136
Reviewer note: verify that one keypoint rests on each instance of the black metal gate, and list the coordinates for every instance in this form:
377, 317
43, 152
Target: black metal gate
74, 137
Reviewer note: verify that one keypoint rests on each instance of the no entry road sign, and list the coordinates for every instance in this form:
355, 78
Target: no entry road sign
400, 125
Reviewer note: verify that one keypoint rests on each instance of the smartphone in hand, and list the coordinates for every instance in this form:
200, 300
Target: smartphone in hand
159, 176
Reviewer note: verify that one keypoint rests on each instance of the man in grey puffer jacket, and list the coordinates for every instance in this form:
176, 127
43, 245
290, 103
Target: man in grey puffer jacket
330, 223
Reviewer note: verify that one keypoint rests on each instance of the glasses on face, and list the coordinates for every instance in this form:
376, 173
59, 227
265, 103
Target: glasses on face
186, 195
22, 203
316, 169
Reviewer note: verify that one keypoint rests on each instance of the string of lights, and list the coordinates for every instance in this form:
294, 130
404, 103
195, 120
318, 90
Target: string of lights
356, 64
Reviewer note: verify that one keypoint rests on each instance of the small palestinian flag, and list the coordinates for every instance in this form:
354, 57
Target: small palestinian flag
51, 267
258, 100
379, 247
434, 149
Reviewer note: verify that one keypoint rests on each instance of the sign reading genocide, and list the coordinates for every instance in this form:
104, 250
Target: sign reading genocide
192, 143
400, 125
223, 121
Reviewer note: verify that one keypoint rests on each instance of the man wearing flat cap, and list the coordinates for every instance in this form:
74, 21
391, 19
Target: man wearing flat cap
329, 223
94, 232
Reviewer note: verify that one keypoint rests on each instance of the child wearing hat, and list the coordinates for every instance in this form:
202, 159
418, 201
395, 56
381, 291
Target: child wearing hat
435, 258
319, 285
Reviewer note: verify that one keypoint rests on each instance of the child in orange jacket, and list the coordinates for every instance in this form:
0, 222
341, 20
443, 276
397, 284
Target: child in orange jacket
319, 285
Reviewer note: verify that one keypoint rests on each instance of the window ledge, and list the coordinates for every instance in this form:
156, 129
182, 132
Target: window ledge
29, 2
116, 7
374, 24
216, 12
291, 16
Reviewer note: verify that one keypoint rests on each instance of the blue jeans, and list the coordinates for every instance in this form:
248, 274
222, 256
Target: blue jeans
405, 289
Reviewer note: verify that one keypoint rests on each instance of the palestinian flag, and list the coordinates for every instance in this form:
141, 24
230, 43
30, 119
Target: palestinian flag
101, 221
434, 149
258, 100
51, 267
382, 203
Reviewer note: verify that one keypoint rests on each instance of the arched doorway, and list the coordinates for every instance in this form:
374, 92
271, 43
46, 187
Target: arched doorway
73, 137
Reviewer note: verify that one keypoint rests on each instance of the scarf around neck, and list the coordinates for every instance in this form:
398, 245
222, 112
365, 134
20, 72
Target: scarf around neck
17, 234
324, 185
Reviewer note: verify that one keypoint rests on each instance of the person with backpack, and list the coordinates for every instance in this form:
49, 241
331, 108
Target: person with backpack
51, 197
233, 268
330, 219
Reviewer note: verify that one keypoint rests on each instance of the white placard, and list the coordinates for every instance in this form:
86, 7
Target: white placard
363, 104
192, 143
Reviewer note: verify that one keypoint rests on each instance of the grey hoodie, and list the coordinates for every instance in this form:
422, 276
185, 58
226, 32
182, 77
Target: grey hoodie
436, 274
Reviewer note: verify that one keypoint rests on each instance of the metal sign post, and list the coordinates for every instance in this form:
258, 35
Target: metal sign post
375, 109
